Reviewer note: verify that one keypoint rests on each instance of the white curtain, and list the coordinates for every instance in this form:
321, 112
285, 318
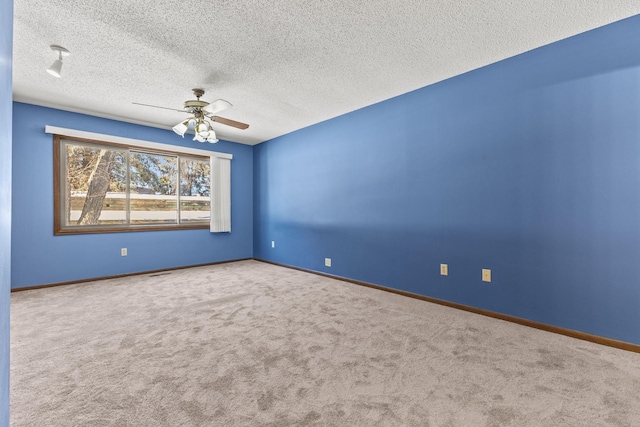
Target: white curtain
220, 195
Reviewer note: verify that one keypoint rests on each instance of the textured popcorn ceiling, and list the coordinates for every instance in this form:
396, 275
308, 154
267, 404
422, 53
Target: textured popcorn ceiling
283, 64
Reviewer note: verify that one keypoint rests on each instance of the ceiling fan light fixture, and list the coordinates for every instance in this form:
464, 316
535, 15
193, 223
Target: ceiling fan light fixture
181, 128
204, 132
212, 137
201, 121
56, 68
203, 128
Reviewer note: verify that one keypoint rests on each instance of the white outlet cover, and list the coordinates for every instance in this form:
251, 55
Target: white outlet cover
273, 243
327, 262
444, 269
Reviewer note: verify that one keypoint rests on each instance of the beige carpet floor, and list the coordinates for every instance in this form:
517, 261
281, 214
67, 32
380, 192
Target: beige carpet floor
252, 344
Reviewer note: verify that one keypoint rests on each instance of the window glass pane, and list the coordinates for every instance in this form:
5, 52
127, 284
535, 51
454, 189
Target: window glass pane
95, 186
104, 188
153, 195
194, 190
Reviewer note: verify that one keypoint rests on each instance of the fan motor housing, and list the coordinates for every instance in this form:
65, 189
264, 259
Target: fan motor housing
195, 104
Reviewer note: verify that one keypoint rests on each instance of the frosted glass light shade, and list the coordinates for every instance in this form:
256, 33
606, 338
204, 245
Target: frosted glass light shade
202, 128
181, 128
212, 137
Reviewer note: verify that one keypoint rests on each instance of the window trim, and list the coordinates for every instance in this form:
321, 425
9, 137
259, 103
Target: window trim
60, 134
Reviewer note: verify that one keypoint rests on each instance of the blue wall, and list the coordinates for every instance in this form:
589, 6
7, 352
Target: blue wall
529, 167
6, 40
75, 257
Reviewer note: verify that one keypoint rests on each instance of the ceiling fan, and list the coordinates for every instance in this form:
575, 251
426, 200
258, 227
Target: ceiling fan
203, 114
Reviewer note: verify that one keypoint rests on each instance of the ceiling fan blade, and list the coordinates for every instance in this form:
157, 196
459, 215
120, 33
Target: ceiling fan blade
229, 122
156, 106
217, 106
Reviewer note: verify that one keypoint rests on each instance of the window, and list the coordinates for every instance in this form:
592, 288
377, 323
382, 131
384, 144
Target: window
105, 187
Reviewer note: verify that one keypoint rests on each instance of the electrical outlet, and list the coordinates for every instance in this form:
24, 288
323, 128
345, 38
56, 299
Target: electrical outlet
444, 269
123, 252
327, 262
486, 275
273, 243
